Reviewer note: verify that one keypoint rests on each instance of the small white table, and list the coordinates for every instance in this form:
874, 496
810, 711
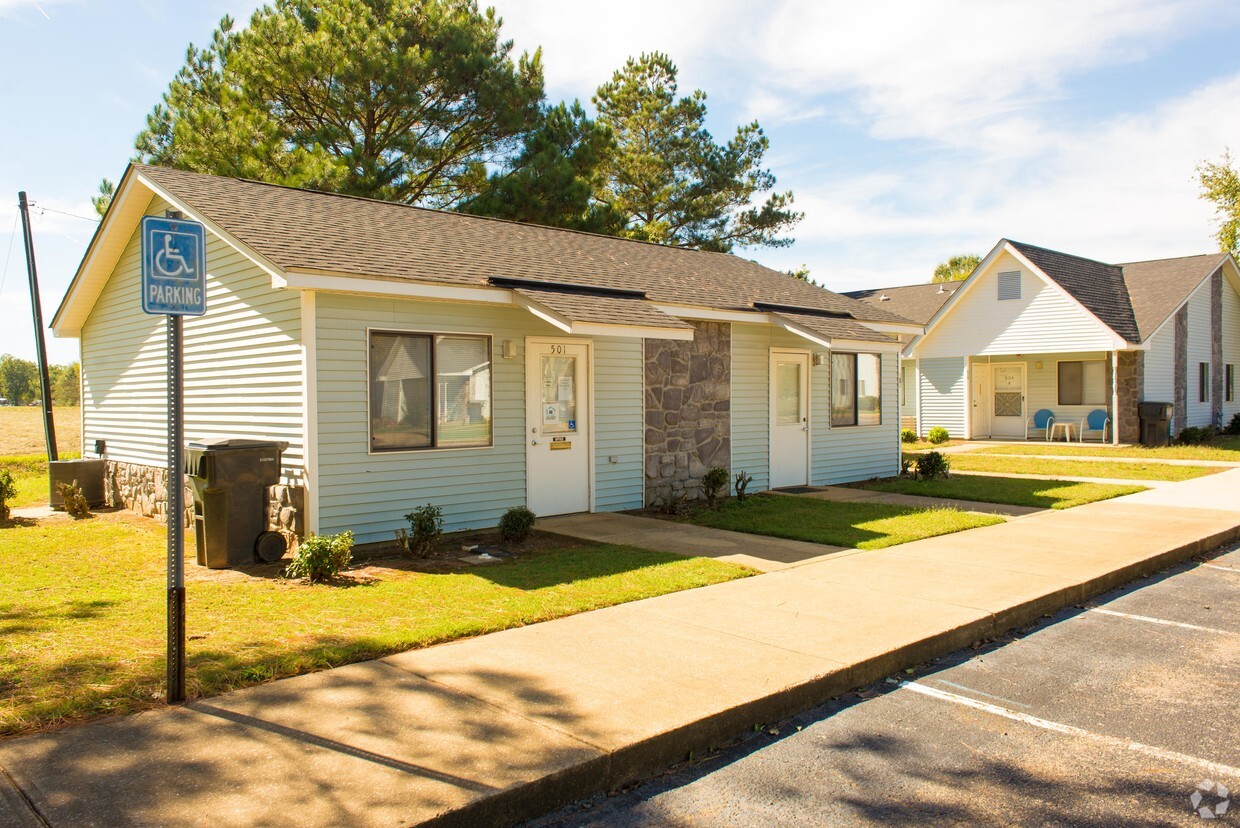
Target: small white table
1066, 428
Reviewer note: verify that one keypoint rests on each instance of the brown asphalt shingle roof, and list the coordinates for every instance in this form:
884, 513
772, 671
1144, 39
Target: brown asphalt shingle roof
1098, 286
1156, 288
601, 309
834, 328
302, 229
914, 302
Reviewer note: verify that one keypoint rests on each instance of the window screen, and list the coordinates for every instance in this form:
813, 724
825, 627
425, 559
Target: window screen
1083, 383
856, 389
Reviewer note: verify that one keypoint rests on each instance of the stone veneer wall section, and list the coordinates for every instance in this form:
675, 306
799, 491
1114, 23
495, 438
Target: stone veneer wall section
144, 489
1179, 417
1216, 348
1129, 384
688, 410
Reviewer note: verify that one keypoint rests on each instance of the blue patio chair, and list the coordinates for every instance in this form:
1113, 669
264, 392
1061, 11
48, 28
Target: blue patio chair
1096, 420
1042, 420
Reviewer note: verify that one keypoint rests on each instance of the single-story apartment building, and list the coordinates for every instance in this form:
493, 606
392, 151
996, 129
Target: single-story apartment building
1034, 329
409, 356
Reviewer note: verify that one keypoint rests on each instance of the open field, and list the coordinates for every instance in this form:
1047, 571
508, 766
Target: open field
21, 430
1014, 491
851, 524
1079, 468
82, 608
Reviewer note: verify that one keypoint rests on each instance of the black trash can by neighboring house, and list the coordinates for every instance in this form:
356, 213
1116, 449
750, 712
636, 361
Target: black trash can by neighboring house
1155, 423
230, 477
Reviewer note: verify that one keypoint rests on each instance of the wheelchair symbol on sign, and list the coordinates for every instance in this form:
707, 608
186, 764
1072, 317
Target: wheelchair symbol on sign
169, 261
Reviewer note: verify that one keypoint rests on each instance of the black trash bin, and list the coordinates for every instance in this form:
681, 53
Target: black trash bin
1155, 423
230, 476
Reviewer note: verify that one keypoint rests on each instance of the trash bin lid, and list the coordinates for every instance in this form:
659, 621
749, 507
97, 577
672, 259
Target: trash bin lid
226, 443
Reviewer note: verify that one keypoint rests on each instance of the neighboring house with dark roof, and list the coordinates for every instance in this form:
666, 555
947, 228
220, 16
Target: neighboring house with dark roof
411, 356
917, 303
1033, 329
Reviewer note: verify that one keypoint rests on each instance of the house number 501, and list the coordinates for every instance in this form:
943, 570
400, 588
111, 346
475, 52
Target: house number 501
559, 349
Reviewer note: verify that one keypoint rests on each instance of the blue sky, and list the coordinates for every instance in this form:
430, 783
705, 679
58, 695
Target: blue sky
909, 131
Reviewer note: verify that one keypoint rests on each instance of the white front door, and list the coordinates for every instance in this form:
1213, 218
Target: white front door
557, 403
980, 425
1008, 401
789, 419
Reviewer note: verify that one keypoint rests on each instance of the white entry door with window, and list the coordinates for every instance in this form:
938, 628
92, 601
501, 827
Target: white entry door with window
557, 401
1008, 415
789, 419
982, 403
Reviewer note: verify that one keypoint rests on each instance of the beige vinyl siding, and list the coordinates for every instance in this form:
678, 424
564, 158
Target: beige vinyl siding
846, 454
1231, 344
242, 362
1043, 320
1199, 350
370, 493
619, 423
1160, 365
751, 430
941, 393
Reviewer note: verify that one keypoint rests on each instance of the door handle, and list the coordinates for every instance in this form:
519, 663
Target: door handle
533, 442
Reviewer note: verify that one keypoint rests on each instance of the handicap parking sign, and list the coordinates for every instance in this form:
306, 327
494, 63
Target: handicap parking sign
174, 269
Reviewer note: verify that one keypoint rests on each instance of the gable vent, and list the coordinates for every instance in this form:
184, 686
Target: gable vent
1009, 285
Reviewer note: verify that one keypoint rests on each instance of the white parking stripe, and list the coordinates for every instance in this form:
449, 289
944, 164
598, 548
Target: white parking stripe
1111, 741
1149, 620
1224, 568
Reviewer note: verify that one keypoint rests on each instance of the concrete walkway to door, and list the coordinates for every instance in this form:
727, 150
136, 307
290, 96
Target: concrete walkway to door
501, 727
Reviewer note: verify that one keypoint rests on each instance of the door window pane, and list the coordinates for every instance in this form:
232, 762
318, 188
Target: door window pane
869, 390
559, 394
787, 393
843, 389
400, 391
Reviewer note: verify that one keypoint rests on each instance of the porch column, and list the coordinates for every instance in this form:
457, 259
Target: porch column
1115, 398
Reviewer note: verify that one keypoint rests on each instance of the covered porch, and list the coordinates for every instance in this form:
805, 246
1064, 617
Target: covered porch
1055, 396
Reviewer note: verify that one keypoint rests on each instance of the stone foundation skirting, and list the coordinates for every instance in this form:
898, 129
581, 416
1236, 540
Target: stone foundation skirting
144, 490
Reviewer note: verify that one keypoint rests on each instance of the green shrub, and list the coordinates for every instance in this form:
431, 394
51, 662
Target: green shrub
1234, 426
741, 483
938, 435
75, 501
8, 491
714, 482
321, 557
1194, 436
932, 464
907, 435
516, 525
425, 530
906, 466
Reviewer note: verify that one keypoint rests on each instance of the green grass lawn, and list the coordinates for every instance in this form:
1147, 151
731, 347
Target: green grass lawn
82, 613
926, 445
30, 473
1079, 468
1014, 491
854, 525
1221, 448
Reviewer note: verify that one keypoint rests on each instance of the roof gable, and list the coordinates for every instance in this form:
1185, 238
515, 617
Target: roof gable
1098, 287
1159, 287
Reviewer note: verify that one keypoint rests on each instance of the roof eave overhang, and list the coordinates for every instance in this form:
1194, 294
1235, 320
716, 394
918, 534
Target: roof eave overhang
832, 343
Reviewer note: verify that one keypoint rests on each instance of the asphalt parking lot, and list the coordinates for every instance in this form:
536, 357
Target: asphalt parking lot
1113, 713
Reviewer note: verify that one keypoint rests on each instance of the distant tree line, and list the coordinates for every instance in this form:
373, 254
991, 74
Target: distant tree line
422, 102
19, 382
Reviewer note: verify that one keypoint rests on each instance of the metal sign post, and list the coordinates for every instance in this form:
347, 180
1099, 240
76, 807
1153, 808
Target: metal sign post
174, 284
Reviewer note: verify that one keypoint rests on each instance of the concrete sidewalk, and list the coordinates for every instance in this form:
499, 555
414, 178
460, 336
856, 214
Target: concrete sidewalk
500, 727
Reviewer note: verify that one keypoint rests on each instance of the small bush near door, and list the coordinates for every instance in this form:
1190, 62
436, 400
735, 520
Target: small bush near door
907, 435
516, 525
931, 465
320, 557
714, 482
938, 435
1193, 436
425, 530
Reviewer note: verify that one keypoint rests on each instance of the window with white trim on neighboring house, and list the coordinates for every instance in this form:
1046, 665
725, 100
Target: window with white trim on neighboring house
429, 391
1203, 382
1083, 382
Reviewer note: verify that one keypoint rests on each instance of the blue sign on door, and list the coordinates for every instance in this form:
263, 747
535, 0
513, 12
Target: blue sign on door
174, 267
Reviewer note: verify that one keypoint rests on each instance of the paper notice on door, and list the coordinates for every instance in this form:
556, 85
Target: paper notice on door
566, 389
